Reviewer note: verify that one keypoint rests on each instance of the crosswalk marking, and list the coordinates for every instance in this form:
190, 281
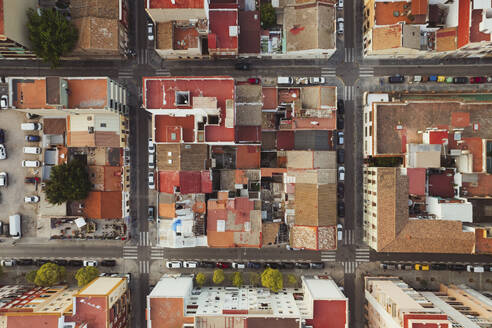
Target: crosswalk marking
349, 267
130, 252
125, 73
348, 92
328, 256
143, 56
144, 266
365, 71
162, 72
362, 254
157, 253
144, 238
348, 237
328, 72
349, 55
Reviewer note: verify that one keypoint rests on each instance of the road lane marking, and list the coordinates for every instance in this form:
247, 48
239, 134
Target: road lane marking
349, 55
328, 256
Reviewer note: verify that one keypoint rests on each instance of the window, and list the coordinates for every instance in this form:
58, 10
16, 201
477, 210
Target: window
103, 125
173, 136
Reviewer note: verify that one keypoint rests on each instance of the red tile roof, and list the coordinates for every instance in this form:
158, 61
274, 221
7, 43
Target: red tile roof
475, 146
269, 96
441, 185
190, 182
87, 311
285, 140
416, 181
248, 157
249, 23
221, 17
384, 13
251, 134
330, 313
163, 4
103, 205
438, 137
464, 23
475, 34
460, 119
2, 29
174, 129
168, 180
30, 321
420, 7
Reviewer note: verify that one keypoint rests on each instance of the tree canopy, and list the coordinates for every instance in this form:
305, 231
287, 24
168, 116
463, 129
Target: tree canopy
272, 279
291, 280
268, 18
218, 277
68, 182
237, 279
51, 34
49, 274
200, 279
85, 275
31, 276
254, 279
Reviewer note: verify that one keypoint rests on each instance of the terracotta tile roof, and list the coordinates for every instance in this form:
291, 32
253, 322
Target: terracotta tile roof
96, 8
165, 4
88, 313
248, 157
475, 146
97, 36
389, 13
103, 205
387, 37
315, 205
270, 96
221, 17
54, 125
420, 7
446, 39
88, 93
332, 311
167, 312
29, 320
463, 23
416, 181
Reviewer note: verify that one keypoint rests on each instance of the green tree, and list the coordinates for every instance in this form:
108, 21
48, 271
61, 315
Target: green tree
254, 279
49, 274
291, 279
218, 277
272, 279
51, 34
85, 275
268, 18
200, 279
68, 181
31, 276
237, 279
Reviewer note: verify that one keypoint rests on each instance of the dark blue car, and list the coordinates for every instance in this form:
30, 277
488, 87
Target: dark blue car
33, 138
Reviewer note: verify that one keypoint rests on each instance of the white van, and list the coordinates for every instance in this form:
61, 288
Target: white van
31, 164
31, 126
32, 150
15, 226
285, 80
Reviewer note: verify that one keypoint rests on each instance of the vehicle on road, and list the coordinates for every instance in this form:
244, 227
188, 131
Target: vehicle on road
317, 265
173, 264
288, 265
91, 263
242, 66
341, 209
387, 266
273, 265
33, 138
25, 262
2, 136
339, 231
302, 265
32, 180
190, 264
341, 173
405, 266
237, 265
340, 4
340, 123
223, 265
340, 25
108, 263
75, 263
441, 79
205, 264
31, 164
40, 262
254, 265
340, 156
3, 152
151, 161
254, 80
340, 190
151, 146
478, 79
421, 267
31, 126
290, 248
340, 106
15, 226
433, 78
460, 80
417, 79
340, 138
438, 266
449, 79
4, 102
61, 262
32, 150
487, 268
7, 263
396, 79
4, 181
150, 213
317, 80
285, 80
472, 268
150, 31
151, 180
31, 199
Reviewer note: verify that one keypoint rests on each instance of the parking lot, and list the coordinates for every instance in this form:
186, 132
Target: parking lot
12, 196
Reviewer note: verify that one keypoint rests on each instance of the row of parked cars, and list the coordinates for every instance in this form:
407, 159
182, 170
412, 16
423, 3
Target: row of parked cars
436, 266
300, 80
72, 263
441, 79
244, 265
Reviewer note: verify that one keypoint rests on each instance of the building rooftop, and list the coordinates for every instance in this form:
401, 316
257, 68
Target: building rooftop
97, 36
170, 4
249, 24
101, 287
387, 37
389, 13
54, 125
103, 205
223, 26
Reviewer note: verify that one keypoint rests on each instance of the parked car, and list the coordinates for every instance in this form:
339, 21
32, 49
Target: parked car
32, 138
4, 181
173, 264
456, 267
237, 265
441, 79
340, 138
151, 146
254, 265
317, 80
433, 78
290, 248
151, 180
341, 209
4, 102
242, 66
340, 190
2, 136
25, 262
340, 106
150, 213
223, 265
405, 266
421, 267
31, 126
75, 263
487, 268
317, 265
339, 231
31, 199
32, 150
302, 265
108, 263
3, 152
7, 263
489, 79
254, 80
340, 25
341, 173
151, 162
438, 266
472, 268
417, 79
340, 4
285, 80
91, 263
478, 79
40, 262
150, 31
61, 262
31, 164
396, 79
205, 264
340, 156
32, 180
340, 123
288, 265
190, 264
449, 79
387, 266
460, 80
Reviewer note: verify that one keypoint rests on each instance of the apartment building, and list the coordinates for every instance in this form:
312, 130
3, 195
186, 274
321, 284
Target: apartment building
14, 36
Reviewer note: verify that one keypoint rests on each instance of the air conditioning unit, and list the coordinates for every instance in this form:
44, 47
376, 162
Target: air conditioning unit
233, 30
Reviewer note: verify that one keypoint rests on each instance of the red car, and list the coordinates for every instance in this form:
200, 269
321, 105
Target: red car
223, 265
478, 79
254, 80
